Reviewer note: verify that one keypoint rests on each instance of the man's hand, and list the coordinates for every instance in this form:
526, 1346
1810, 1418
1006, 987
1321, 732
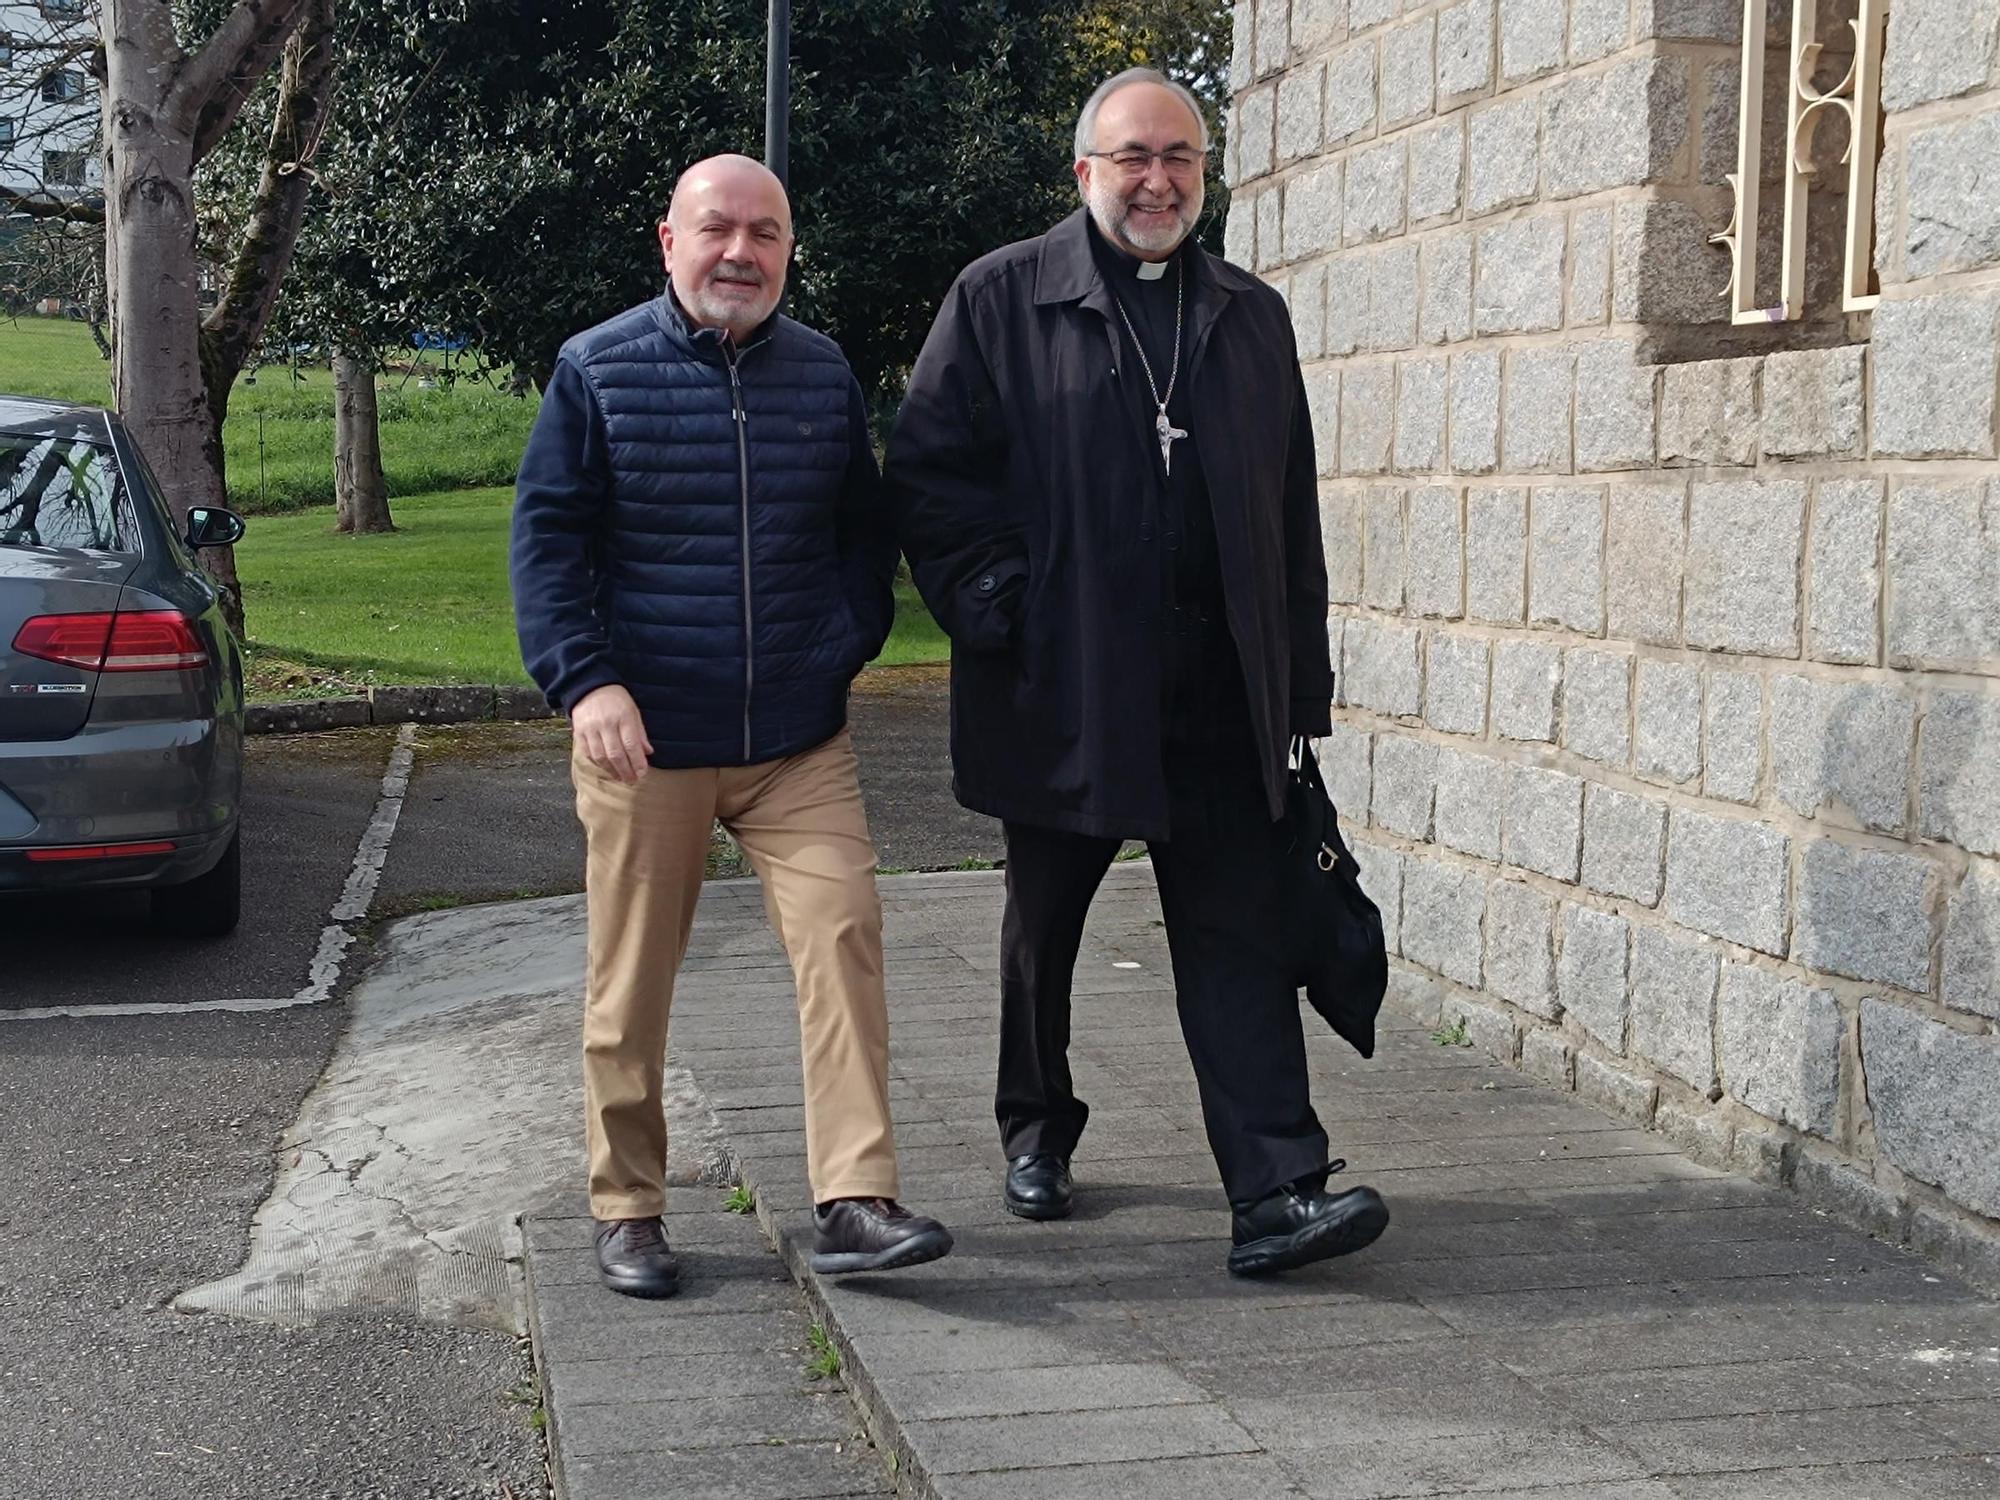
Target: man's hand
610, 733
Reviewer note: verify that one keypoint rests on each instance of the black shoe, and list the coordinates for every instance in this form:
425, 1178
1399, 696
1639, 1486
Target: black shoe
1038, 1186
873, 1234
1302, 1222
633, 1258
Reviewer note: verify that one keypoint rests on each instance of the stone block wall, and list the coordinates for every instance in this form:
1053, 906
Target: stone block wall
1668, 718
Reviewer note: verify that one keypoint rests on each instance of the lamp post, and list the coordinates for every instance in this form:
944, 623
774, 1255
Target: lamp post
778, 91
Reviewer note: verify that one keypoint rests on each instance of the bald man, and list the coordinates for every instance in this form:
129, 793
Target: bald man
701, 562
1105, 471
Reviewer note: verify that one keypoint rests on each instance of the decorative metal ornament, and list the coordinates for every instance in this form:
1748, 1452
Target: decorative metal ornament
1859, 97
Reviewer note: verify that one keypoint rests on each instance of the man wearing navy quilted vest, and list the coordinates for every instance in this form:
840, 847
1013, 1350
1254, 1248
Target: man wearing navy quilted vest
701, 564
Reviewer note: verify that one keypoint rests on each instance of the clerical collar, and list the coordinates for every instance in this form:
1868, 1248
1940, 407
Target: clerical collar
1117, 260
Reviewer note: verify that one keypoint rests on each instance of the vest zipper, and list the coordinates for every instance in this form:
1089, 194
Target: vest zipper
742, 420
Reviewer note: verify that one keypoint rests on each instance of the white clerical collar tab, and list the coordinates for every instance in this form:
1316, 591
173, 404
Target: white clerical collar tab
1152, 270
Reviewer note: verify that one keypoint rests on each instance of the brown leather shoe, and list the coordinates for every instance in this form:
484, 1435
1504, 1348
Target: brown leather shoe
633, 1258
873, 1234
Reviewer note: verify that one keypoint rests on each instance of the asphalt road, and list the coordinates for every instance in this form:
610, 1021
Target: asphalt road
139, 1146
490, 813
490, 816
902, 735
137, 1149
306, 799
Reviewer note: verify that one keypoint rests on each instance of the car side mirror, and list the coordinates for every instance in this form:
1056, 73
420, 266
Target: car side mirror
212, 526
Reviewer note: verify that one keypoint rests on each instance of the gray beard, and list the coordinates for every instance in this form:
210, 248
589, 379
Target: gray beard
718, 312
739, 318
1112, 217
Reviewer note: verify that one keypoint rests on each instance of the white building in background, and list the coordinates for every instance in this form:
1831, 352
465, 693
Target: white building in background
48, 100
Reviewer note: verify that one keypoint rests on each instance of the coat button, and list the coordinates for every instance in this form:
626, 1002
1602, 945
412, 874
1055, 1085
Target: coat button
988, 583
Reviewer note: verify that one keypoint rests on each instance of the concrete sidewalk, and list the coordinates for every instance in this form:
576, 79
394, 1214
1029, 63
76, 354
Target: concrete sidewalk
1563, 1305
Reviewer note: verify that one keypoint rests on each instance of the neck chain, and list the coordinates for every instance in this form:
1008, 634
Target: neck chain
1167, 433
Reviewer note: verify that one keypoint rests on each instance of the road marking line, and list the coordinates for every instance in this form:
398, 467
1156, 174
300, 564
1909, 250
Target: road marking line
368, 858
149, 1008
334, 939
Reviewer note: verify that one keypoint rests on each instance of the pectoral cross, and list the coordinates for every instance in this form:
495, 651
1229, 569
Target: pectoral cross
1169, 435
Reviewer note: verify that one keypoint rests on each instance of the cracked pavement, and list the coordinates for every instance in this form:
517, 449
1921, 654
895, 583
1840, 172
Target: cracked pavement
446, 1111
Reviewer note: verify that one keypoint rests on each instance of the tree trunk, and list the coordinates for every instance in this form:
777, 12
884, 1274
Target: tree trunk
164, 110
150, 272
360, 493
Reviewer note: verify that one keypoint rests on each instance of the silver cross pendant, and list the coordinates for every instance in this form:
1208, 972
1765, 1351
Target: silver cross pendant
1169, 435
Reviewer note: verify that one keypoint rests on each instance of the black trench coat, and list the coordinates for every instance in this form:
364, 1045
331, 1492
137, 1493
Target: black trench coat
1029, 504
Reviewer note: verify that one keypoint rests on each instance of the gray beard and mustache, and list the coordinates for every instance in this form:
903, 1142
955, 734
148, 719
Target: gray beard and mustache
716, 308
1113, 211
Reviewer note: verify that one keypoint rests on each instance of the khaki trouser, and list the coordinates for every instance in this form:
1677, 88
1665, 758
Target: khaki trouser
801, 823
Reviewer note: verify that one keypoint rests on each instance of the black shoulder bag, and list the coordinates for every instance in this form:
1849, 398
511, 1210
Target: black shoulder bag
1333, 930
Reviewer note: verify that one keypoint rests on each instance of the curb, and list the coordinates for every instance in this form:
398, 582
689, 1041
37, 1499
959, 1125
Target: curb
911, 1478
441, 704
712, 1163
531, 1317
910, 1473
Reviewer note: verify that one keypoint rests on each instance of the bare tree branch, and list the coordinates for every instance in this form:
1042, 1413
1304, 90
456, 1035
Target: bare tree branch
217, 81
231, 332
39, 204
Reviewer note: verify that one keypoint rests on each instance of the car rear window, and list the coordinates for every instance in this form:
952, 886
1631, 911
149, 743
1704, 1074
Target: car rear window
61, 490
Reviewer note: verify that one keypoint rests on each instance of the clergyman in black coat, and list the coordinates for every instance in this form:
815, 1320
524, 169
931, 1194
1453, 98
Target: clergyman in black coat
1104, 478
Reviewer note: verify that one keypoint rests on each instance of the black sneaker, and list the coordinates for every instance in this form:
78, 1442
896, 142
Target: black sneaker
633, 1258
1302, 1222
873, 1234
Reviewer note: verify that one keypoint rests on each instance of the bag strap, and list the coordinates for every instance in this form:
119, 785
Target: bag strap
1304, 765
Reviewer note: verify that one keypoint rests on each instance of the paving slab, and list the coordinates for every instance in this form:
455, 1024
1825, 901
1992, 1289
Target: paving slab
707, 1394
1562, 1306
792, 1470
1923, 1480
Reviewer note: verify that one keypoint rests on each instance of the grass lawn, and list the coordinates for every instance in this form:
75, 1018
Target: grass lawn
329, 614
278, 437
428, 603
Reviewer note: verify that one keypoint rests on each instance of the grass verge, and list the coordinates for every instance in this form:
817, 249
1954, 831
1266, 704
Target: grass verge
429, 602
277, 440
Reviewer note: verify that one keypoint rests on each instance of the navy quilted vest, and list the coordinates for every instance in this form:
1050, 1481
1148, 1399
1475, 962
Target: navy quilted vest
715, 571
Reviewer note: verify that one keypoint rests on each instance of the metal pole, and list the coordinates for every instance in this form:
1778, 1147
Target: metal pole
778, 92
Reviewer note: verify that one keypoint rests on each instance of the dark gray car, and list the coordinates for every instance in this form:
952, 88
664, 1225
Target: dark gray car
121, 684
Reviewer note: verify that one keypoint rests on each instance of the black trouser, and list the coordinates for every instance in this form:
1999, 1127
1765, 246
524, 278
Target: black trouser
1218, 879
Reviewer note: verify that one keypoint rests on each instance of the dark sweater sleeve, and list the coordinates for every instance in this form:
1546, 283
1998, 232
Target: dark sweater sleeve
867, 533
560, 499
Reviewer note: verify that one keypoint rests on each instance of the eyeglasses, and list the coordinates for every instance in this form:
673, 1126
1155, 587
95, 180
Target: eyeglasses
1179, 161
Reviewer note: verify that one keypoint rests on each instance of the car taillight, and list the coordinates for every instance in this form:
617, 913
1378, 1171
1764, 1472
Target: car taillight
152, 640
64, 854
140, 640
